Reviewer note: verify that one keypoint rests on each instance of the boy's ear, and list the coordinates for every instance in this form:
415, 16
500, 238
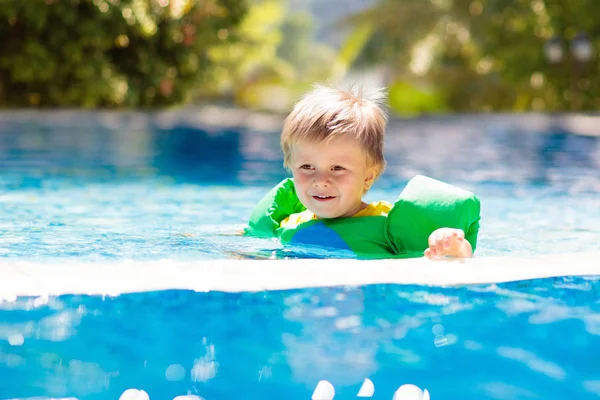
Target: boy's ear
369, 178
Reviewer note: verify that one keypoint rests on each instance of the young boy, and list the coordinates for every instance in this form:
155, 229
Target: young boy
332, 143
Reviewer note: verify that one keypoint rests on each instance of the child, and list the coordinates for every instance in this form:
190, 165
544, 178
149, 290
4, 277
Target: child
332, 143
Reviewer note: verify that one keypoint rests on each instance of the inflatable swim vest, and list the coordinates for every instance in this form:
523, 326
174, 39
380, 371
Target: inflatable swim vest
423, 206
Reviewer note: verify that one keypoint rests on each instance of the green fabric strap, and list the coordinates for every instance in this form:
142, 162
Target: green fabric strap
425, 205
279, 203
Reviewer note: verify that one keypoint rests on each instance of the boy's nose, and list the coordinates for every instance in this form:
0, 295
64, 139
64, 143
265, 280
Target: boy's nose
321, 179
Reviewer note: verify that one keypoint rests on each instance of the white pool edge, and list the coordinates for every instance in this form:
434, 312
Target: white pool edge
39, 279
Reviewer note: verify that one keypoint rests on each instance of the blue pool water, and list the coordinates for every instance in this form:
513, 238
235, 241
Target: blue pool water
524, 340
104, 187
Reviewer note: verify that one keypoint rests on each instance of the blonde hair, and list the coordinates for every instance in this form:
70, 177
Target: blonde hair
327, 113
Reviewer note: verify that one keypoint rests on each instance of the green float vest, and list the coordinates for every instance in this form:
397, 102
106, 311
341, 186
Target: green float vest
424, 205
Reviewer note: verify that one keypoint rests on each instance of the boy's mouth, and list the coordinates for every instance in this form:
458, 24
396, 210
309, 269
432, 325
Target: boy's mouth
323, 198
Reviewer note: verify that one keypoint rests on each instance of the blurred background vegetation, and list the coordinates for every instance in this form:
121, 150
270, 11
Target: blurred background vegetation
435, 56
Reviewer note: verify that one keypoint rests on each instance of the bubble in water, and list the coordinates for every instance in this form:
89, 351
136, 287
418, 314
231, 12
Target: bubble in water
410, 392
367, 389
188, 397
323, 391
438, 329
175, 372
134, 394
16, 339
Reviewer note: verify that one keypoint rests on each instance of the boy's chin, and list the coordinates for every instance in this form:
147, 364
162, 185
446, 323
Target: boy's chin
326, 215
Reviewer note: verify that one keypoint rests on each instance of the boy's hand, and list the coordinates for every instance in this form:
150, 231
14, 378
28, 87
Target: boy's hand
448, 242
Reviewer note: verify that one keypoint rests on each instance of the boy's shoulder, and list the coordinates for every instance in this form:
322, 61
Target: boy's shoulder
376, 208
293, 220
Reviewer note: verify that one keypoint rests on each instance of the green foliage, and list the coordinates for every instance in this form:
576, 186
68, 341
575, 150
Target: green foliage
485, 55
274, 61
410, 99
253, 56
396, 26
110, 53
510, 38
310, 60
351, 49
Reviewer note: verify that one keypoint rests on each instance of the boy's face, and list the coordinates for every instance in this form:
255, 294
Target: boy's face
331, 177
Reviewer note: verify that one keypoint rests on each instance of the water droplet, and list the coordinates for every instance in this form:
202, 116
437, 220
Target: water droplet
411, 392
367, 389
175, 372
134, 394
438, 329
188, 397
323, 391
16, 339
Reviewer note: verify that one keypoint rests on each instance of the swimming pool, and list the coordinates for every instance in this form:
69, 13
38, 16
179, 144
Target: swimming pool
104, 188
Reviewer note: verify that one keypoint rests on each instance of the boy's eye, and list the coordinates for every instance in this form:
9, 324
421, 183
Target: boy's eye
338, 168
305, 166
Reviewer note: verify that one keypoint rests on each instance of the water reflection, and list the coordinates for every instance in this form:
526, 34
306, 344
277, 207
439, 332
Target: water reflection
193, 154
186, 148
